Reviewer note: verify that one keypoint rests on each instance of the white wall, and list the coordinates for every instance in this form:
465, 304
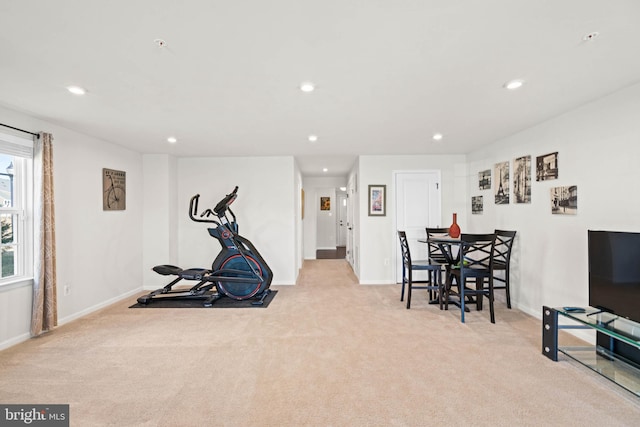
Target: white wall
598, 151
265, 209
353, 219
99, 253
160, 227
297, 218
378, 238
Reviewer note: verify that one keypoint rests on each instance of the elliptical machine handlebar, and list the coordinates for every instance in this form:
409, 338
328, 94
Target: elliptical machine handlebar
193, 211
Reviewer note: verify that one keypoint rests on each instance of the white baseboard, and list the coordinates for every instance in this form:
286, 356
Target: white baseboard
26, 336
13, 341
99, 306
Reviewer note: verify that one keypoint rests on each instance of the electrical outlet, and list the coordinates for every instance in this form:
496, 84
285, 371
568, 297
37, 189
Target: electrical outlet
386, 261
66, 290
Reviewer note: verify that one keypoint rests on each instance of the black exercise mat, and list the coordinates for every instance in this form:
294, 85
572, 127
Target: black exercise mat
223, 302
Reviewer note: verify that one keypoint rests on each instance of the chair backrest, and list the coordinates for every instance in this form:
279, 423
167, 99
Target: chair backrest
435, 252
503, 246
404, 246
477, 251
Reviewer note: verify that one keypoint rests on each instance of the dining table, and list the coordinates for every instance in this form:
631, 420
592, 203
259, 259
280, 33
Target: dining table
450, 247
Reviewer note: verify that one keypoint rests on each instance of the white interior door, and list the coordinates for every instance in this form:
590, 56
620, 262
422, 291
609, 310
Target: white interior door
418, 206
350, 223
341, 221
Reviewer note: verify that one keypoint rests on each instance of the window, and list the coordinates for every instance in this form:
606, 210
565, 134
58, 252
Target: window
16, 248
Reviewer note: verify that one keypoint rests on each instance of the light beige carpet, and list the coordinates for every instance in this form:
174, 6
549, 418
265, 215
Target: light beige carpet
326, 352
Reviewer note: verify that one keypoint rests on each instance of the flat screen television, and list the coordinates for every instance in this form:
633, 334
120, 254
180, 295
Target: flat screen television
614, 272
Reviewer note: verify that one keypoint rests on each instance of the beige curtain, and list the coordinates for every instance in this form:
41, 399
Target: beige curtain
44, 315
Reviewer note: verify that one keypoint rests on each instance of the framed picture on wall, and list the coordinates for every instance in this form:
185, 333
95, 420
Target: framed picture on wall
477, 205
325, 203
377, 200
522, 179
501, 176
484, 179
547, 167
114, 188
564, 200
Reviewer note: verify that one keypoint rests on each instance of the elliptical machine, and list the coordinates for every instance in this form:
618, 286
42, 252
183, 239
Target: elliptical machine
238, 272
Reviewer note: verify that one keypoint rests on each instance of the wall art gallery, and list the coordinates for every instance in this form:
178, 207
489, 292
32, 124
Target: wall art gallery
563, 199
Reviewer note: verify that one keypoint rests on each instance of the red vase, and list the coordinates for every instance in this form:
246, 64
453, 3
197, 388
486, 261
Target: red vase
454, 229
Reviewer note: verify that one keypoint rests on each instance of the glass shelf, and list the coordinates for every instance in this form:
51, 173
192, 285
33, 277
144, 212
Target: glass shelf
600, 360
621, 371
618, 327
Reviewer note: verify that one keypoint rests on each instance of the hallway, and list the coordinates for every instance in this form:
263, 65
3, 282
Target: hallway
339, 252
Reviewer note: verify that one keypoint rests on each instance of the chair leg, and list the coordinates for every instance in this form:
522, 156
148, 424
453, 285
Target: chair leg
461, 286
493, 316
432, 282
447, 290
438, 276
409, 289
435, 280
479, 288
506, 286
403, 282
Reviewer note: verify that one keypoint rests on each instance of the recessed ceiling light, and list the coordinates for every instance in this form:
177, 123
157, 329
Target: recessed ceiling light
437, 136
514, 84
76, 90
313, 138
307, 87
325, 170
172, 139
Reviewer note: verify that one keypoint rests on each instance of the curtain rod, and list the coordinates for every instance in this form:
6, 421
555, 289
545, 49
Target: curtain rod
21, 130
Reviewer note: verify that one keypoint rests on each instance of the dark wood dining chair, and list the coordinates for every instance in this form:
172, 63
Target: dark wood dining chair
502, 260
434, 271
475, 264
434, 251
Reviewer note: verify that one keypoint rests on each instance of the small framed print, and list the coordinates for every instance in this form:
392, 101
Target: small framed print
325, 203
547, 167
564, 200
476, 205
114, 190
377, 200
501, 175
522, 179
484, 179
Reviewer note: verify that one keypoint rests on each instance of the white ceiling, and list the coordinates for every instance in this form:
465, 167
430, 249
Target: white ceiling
389, 74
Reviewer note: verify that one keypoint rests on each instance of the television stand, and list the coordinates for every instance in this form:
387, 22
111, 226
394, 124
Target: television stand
603, 359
